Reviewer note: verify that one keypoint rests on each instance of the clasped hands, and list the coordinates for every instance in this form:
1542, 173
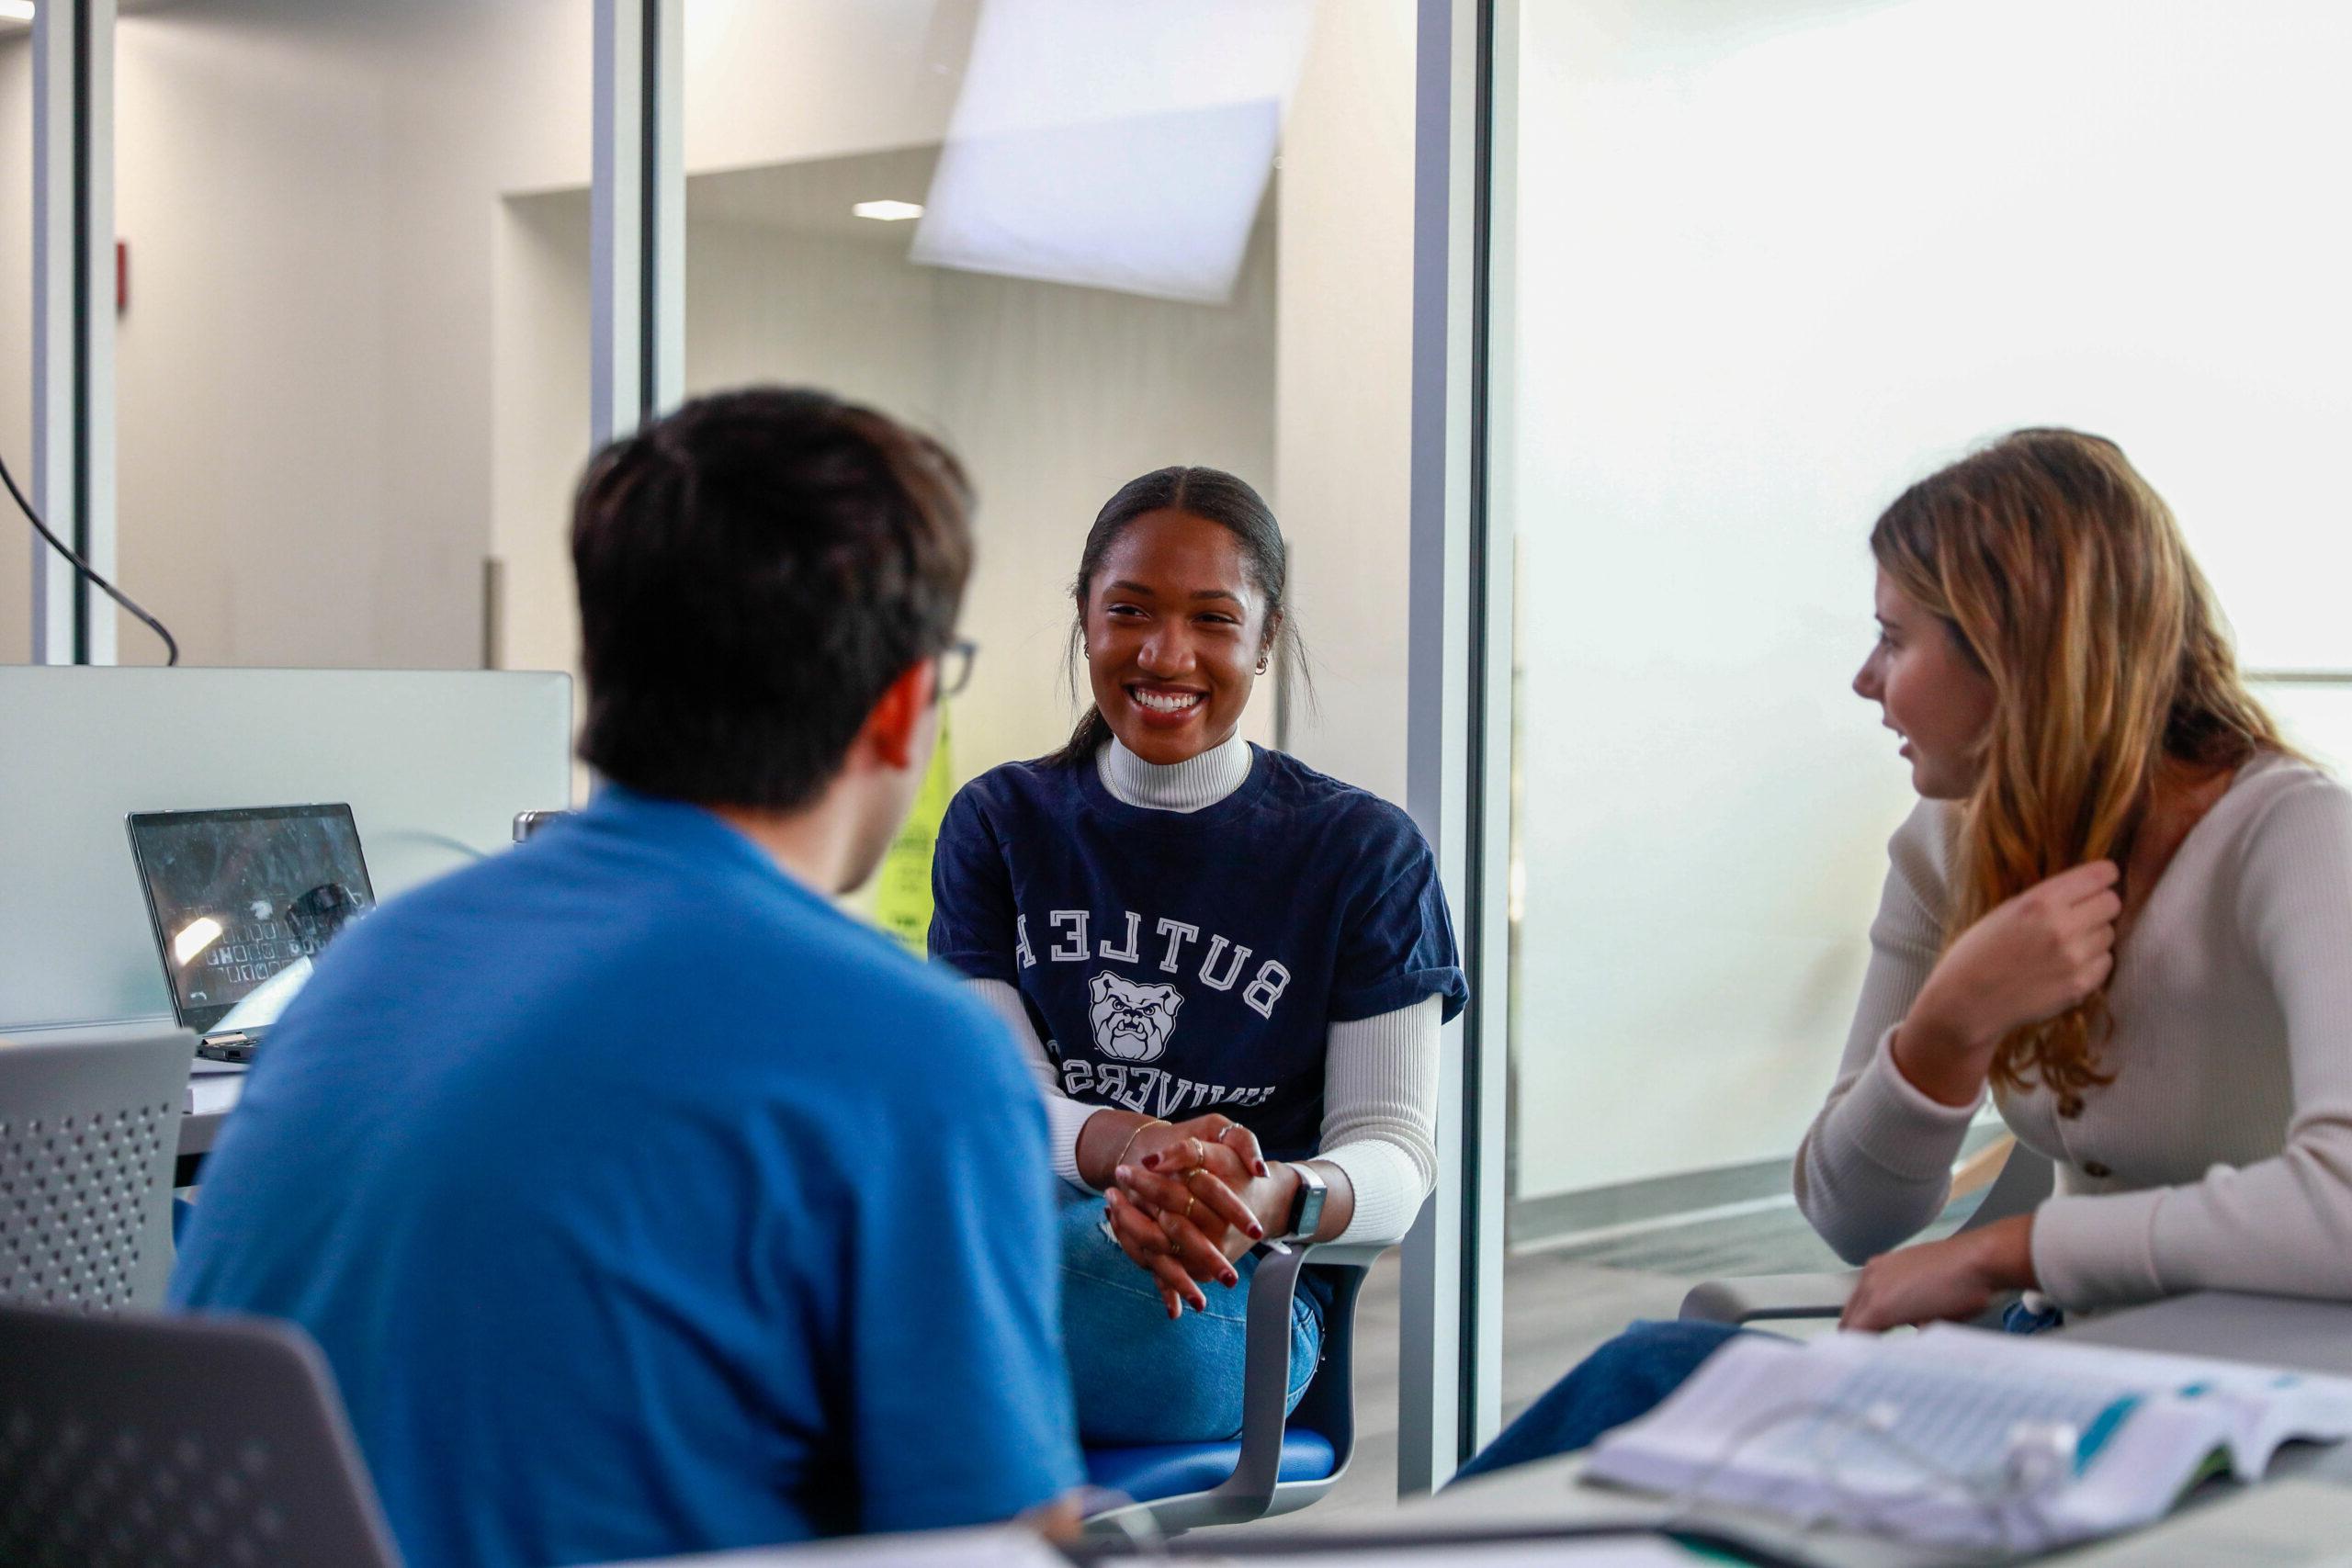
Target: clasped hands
1188, 1198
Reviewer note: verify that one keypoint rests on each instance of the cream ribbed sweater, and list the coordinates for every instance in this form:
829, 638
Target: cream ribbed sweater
2221, 1156
1380, 1074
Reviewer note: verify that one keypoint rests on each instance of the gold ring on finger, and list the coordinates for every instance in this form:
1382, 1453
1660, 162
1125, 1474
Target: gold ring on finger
1190, 1199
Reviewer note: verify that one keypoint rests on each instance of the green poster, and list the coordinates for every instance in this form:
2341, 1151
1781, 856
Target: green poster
902, 887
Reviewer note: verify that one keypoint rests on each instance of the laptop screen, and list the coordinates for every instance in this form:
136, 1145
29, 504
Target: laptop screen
237, 896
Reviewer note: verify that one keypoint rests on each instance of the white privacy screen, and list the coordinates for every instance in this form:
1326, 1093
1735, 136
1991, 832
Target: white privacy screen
1773, 262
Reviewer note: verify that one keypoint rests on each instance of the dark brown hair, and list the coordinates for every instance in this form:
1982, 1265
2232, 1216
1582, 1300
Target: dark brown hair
2062, 574
754, 571
1213, 496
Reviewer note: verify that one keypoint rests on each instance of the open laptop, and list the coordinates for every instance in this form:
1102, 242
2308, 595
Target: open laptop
242, 901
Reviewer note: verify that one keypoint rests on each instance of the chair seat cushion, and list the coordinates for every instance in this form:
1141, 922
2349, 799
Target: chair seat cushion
1150, 1471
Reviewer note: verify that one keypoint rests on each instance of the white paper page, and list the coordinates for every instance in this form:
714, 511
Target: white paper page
1890, 1440
995, 1547
1609, 1551
2267, 1405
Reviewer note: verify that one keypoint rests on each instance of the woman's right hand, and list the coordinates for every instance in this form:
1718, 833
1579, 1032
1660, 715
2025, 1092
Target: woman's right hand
1176, 1227
2032, 958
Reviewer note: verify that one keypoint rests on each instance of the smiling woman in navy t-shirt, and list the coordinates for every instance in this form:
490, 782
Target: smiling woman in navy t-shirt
1228, 969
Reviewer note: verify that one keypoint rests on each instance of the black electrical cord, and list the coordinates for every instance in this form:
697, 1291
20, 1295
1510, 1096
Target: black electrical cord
171, 646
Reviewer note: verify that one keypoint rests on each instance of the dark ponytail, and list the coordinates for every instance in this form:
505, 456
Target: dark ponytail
1213, 496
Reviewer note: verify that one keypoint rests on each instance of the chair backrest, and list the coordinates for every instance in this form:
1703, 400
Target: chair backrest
89, 1132
139, 1439
1328, 1406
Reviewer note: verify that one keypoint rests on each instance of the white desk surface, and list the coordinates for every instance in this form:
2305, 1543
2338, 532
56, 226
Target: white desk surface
2302, 1516
213, 1094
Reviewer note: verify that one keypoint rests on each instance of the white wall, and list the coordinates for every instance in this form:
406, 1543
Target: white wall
1343, 404
1053, 396
1769, 272
355, 363
311, 194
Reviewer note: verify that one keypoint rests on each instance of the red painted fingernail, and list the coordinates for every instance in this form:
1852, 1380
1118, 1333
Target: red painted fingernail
1257, 1231
1263, 1168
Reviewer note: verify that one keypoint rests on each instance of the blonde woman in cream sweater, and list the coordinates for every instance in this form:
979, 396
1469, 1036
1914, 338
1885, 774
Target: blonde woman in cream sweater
2174, 1035
2122, 910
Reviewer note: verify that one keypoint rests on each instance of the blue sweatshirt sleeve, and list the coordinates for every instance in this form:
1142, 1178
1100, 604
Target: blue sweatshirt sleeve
959, 1392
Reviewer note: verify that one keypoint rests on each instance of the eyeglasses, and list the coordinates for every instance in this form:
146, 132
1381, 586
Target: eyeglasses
954, 669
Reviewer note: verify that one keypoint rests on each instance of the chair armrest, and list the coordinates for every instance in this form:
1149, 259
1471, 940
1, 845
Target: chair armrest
1351, 1255
1265, 1378
1760, 1297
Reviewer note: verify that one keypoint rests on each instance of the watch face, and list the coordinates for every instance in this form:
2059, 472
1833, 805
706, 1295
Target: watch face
1309, 1210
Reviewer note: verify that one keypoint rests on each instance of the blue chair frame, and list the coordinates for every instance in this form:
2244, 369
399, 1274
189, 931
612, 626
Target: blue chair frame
1283, 1460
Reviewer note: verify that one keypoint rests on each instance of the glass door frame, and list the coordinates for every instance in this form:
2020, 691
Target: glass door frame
1458, 715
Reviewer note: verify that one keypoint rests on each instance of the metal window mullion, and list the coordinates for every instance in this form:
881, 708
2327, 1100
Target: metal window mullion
1495, 526
638, 215
1449, 1341
72, 458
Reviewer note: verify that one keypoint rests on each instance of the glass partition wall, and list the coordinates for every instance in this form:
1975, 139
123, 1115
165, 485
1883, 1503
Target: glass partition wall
354, 333
328, 271
1768, 264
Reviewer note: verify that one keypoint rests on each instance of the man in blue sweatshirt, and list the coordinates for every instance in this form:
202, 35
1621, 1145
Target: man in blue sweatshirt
643, 1203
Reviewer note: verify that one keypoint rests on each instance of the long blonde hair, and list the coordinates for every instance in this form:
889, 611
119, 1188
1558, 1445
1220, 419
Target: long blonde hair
2064, 578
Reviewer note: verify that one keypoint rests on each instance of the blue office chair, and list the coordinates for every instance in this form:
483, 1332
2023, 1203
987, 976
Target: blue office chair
1280, 1463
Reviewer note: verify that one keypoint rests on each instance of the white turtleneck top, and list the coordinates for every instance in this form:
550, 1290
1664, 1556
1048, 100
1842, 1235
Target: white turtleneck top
1380, 1074
2220, 1158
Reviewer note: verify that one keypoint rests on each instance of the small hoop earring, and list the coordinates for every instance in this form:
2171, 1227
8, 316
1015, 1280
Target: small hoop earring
1262, 667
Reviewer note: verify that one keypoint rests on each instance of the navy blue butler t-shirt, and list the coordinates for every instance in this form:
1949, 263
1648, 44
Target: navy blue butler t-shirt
1177, 964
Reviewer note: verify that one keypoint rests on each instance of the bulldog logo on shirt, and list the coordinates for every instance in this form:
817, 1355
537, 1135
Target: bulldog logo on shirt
1132, 1023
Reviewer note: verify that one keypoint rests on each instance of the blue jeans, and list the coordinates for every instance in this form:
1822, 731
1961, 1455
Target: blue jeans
1139, 1378
1623, 1378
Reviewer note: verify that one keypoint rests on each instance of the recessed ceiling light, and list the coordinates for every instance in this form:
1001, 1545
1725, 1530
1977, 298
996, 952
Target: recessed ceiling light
17, 10
888, 212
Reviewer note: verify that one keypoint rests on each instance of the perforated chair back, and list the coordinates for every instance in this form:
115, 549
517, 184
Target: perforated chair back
89, 1132
139, 1439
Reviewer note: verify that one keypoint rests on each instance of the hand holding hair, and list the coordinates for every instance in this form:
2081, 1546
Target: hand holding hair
2031, 958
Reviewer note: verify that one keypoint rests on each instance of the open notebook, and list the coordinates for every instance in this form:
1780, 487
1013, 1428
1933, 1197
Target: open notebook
1963, 1438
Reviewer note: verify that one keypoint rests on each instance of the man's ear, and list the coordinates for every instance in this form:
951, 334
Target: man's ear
897, 715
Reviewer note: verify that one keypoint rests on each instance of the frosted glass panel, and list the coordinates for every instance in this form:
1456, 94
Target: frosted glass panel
433, 766
1078, 242
1774, 261
330, 290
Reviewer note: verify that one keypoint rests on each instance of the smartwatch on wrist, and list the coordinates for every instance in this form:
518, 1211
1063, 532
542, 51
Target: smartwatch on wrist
1306, 1210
